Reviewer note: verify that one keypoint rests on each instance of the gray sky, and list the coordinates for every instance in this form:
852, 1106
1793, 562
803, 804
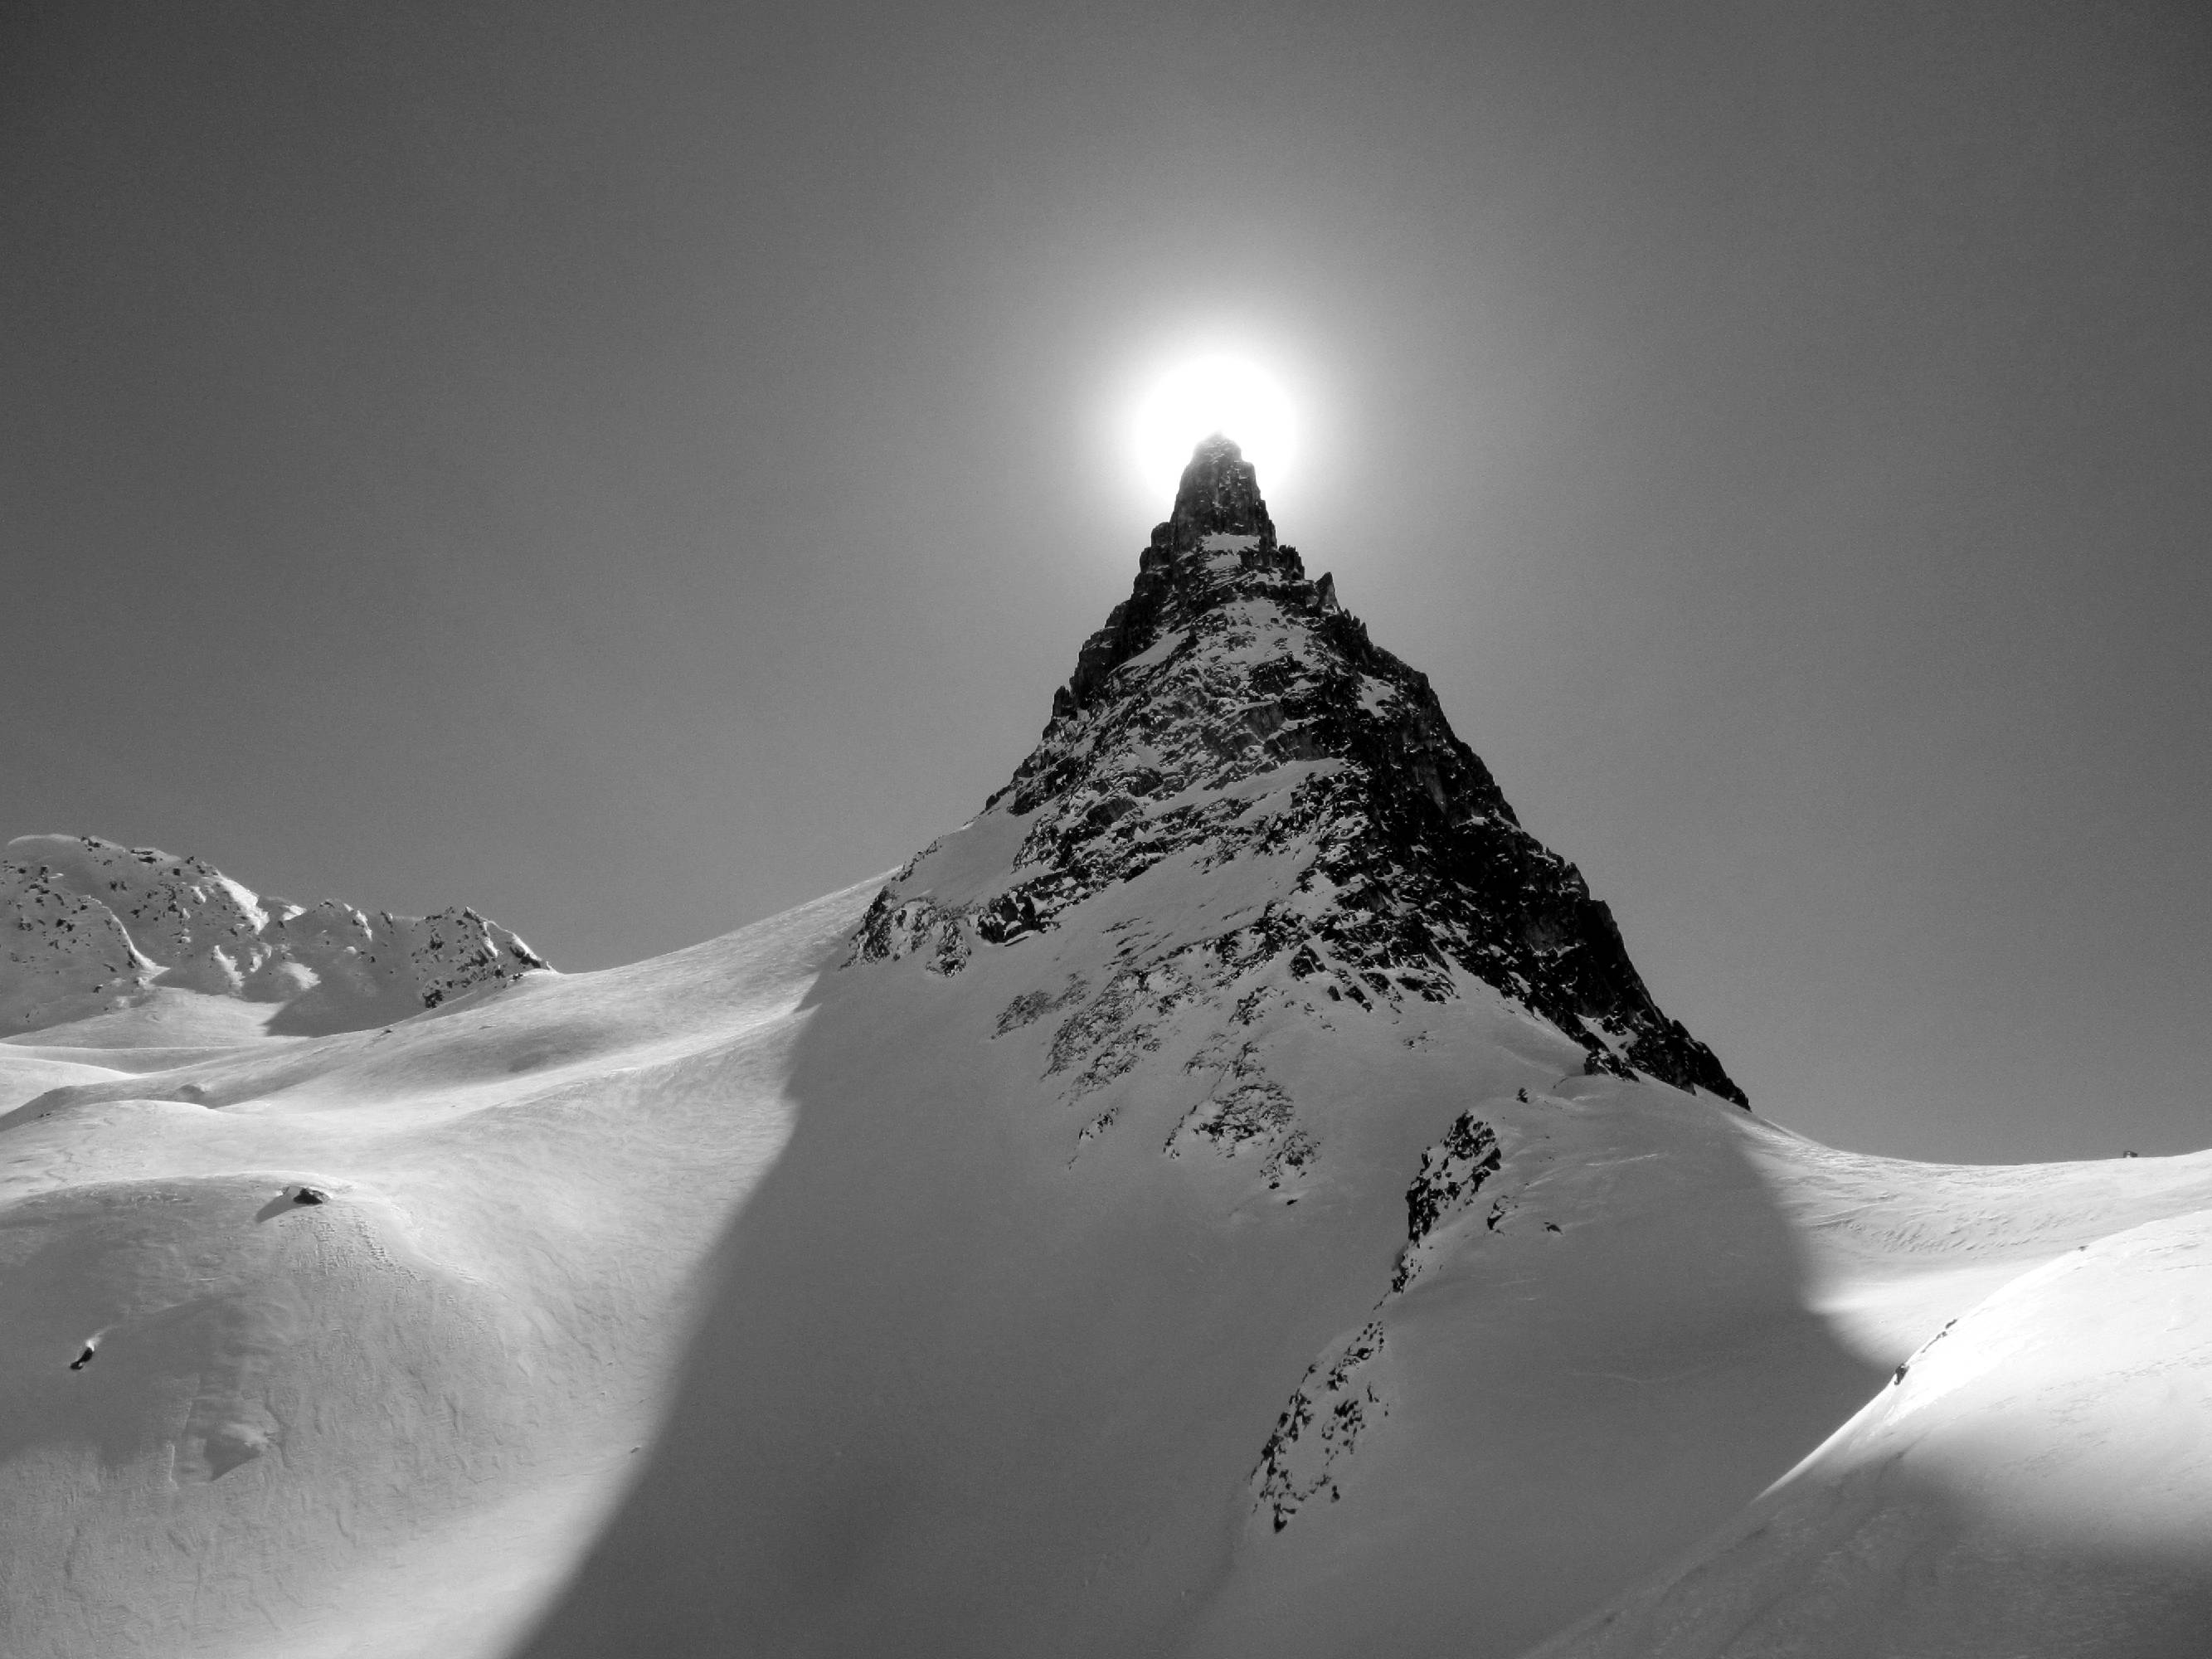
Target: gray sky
631, 468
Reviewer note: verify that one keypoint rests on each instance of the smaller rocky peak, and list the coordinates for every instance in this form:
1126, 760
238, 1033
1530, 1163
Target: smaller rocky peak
1217, 498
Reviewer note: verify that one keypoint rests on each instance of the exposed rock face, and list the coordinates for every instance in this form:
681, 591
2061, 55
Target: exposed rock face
1335, 1403
93, 926
1231, 709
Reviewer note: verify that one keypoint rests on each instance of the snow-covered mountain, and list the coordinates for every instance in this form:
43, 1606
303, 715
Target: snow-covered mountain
1232, 717
94, 929
1235, 1196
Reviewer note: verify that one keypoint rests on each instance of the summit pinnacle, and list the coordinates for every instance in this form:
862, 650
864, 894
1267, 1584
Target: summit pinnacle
1220, 496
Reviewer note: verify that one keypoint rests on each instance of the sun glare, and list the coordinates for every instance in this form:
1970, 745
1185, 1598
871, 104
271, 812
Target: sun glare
1229, 395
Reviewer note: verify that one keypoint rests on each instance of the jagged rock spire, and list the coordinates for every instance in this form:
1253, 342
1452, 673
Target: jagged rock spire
1220, 496
1231, 709
1218, 532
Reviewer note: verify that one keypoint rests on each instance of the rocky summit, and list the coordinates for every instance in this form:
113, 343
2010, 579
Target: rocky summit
1232, 708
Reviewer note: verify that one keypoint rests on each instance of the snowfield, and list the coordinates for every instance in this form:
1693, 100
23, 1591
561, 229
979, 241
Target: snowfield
1235, 1197
737, 1293
384, 1423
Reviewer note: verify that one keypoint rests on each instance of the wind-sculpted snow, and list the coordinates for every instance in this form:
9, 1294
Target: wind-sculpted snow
94, 927
1231, 711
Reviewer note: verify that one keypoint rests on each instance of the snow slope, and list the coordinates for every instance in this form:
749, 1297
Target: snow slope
987, 1386
383, 1424
1233, 1197
2034, 1481
952, 1394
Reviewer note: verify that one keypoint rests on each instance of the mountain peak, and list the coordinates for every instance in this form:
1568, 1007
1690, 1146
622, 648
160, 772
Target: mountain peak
1218, 495
1233, 750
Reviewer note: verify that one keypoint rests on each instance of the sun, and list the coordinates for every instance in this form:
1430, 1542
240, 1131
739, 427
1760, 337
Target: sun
1230, 395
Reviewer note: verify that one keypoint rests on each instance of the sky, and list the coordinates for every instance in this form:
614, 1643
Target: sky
632, 468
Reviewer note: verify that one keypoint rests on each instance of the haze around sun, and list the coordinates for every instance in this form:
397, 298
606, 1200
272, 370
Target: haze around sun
1228, 393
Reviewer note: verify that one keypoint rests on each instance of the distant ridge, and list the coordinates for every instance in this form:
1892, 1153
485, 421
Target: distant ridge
94, 927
